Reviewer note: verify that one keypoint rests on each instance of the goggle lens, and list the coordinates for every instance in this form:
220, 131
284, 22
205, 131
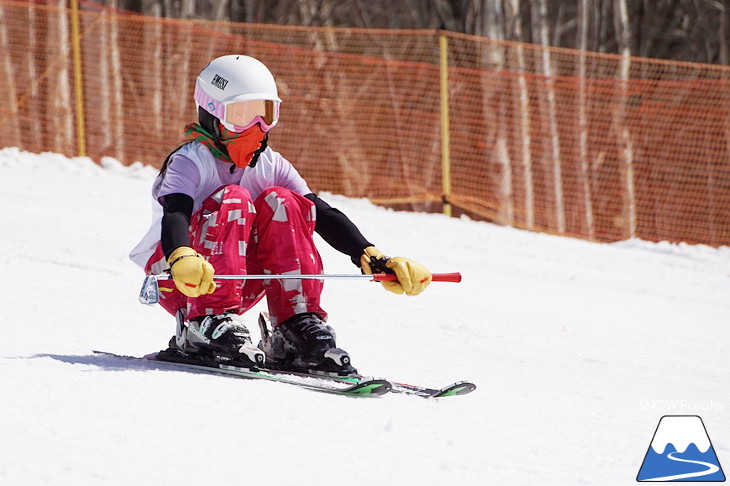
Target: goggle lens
244, 114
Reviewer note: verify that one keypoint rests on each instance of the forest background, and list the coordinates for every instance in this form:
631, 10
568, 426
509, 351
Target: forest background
599, 119
680, 30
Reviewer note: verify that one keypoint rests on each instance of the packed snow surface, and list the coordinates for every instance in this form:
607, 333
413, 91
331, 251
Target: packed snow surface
577, 349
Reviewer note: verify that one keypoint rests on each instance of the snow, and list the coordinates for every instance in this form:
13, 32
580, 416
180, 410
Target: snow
577, 349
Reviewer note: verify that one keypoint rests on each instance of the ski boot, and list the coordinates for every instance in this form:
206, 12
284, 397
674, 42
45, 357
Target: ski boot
220, 338
303, 343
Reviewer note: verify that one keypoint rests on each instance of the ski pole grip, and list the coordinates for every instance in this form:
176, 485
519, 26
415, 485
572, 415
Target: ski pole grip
436, 277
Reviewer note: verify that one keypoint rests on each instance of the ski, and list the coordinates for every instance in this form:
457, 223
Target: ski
455, 389
352, 385
452, 390
355, 387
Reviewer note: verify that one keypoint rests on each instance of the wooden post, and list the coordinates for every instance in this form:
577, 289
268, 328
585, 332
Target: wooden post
78, 79
445, 147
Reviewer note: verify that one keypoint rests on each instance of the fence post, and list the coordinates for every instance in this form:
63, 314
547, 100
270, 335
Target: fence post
445, 147
78, 79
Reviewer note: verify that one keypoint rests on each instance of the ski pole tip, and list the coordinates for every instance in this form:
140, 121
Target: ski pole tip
446, 277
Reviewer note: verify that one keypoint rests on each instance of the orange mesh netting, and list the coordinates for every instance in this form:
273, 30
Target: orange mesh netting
589, 145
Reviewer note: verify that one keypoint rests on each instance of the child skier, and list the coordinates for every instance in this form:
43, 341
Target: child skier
225, 202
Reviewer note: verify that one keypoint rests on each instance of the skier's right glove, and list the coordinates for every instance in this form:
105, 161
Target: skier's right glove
192, 274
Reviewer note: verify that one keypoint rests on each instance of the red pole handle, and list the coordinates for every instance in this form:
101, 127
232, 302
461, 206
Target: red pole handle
436, 277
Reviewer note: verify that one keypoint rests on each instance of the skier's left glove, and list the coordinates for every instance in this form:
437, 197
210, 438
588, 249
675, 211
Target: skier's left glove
413, 278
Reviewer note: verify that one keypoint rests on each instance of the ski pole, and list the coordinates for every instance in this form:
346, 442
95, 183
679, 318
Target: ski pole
150, 293
377, 277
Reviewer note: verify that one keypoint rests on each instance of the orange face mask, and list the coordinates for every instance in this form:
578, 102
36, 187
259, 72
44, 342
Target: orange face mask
243, 146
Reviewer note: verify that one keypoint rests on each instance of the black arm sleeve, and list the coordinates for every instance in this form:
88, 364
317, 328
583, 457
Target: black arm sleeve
177, 210
338, 231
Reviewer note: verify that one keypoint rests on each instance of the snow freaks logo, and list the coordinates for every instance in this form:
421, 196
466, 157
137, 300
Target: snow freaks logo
680, 451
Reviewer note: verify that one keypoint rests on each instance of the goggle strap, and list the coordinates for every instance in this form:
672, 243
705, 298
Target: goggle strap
209, 104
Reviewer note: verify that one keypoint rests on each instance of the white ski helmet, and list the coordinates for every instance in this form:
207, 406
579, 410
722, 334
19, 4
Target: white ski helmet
240, 91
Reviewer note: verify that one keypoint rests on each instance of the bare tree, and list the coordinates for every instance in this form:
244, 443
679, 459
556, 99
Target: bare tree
34, 41
724, 55
512, 11
62, 111
688, 30
542, 30
584, 9
623, 38
7, 81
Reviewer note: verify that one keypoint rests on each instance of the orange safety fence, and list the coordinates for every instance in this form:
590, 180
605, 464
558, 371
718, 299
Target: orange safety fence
590, 145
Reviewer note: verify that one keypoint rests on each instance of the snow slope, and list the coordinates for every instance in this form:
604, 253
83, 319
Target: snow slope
577, 349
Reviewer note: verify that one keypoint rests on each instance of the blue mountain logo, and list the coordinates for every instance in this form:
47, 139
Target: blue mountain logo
681, 451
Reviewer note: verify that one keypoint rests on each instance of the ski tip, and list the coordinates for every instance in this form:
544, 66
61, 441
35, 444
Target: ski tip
371, 387
455, 389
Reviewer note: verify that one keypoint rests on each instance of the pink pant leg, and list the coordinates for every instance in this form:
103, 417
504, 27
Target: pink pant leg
282, 243
220, 231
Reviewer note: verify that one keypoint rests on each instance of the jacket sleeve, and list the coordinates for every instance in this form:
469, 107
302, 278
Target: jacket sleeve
177, 211
338, 231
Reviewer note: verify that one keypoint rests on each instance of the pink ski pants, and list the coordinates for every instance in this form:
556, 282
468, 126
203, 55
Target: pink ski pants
237, 235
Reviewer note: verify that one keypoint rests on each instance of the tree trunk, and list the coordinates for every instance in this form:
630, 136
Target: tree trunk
584, 7
542, 29
61, 113
623, 39
11, 131
113, 82
724, 55
523, 114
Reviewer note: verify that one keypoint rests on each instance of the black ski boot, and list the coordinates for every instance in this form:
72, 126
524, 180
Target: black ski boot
303, 343
221, 337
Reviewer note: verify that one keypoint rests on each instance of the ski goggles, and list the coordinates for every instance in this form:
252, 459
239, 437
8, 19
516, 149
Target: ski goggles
238, 116
245, 114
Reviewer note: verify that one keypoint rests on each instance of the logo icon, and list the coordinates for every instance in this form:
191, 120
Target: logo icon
681, 451
219, 82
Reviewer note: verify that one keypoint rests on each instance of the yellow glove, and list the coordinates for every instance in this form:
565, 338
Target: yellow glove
413, 278
192, 274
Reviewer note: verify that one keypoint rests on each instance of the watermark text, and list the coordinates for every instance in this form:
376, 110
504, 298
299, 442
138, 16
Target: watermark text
681, 406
